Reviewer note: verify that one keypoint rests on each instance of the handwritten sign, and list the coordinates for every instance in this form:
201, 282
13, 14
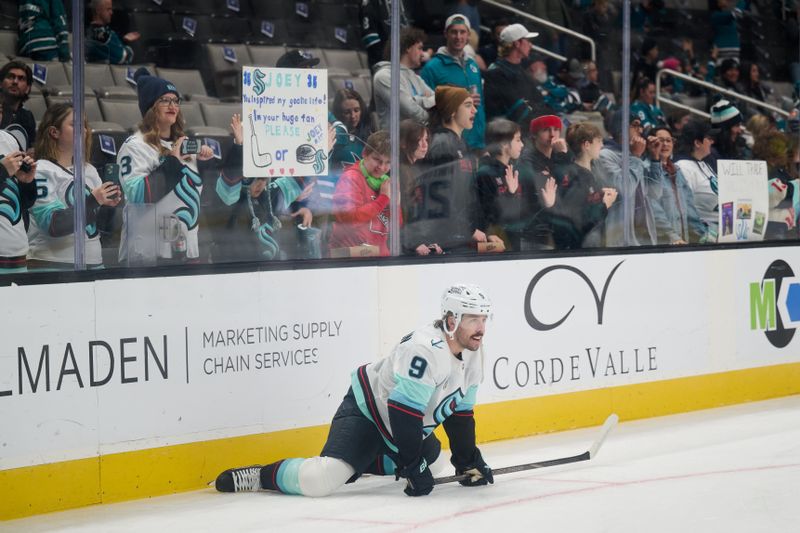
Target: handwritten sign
743, 201
285, 121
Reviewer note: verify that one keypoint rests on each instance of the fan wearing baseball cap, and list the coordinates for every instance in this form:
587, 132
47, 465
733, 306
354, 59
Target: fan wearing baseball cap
510, 92
452, 66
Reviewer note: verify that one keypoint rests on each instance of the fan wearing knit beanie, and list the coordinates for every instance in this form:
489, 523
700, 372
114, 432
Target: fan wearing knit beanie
453, 114
153, 171
452, 164
729, 143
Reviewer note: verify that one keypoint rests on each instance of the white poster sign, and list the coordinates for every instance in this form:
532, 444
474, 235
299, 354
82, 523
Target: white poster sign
743, 201
285, 122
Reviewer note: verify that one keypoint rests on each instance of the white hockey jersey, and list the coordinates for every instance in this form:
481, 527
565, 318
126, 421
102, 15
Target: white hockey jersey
421, 375
13, 238
55, 186
179, 207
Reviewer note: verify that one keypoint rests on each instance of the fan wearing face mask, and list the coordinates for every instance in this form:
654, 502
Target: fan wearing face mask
510, 92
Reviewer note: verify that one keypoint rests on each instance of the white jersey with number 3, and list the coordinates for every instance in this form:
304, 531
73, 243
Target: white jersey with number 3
422, 376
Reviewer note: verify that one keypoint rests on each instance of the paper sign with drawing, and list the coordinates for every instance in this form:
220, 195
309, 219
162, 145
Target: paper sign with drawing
285, 121
742, 200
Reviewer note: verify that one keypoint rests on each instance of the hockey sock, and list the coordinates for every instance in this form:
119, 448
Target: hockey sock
283, 476
382, 466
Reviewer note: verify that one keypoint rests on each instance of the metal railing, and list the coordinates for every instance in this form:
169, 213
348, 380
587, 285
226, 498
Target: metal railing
707, 85
538, 49
547, 24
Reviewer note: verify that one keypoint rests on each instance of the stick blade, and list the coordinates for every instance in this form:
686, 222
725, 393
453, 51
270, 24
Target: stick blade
608, 425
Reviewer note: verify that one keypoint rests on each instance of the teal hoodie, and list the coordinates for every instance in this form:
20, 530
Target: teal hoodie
443, 69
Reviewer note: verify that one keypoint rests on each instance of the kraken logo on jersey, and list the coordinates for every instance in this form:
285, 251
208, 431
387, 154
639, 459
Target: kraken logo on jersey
91, 229
9, 202
447, 406
187, 191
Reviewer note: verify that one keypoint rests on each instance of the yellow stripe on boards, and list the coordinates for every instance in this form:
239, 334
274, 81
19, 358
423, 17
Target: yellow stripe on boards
152, 472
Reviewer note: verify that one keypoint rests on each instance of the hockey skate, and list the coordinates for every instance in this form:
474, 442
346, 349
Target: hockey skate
243, 479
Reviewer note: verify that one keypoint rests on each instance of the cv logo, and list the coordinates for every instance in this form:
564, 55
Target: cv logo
775, 304
599, 299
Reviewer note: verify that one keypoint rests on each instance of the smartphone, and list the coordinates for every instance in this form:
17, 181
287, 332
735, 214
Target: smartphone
111, 173
190, 146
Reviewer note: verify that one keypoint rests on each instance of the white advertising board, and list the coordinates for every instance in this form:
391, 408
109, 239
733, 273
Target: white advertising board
112, 366
285, 122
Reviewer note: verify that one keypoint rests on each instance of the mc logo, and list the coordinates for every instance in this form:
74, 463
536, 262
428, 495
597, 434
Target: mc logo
775, 304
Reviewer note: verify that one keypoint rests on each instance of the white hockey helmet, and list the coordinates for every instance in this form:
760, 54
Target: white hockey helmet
463, 299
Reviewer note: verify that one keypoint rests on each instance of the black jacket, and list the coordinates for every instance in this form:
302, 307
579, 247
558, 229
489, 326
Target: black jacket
509, 92
499, 208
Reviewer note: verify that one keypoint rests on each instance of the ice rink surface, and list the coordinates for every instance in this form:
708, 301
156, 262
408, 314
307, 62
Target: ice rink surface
734, 469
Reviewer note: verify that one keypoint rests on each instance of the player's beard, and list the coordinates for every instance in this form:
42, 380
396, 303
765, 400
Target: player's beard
469, 342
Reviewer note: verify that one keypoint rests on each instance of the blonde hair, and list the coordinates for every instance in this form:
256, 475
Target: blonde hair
149, 128
46, 147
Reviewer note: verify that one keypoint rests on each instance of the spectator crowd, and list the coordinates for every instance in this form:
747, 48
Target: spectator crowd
503, 148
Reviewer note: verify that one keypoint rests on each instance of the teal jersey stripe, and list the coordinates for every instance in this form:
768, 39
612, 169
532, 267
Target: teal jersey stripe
411, 392
229, 194
288, 477
43, 213
134, 190
468, 402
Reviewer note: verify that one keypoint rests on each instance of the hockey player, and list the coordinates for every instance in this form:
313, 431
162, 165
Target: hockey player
155, 170
385, 422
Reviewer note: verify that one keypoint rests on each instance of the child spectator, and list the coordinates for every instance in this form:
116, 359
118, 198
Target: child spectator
361, 199
499, 193
51, 233
582, 201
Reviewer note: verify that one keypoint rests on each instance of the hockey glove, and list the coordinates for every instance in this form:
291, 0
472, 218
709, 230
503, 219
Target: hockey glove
480, 473
418, 476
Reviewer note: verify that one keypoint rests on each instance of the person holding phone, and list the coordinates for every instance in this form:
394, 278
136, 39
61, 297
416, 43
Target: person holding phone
158, 165
51, 232
256, 219
17, 195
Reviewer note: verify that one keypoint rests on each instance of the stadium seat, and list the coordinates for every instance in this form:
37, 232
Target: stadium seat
91, 107
192, 114
361, 84
265, 56
97, 75
56, 73
67, 90
226, 74
219, 115
346, 61
37, 105
116, 92
120, 72
9, 12
8, 44
162, 43
124, 112
188, 81
228, 29
268, 31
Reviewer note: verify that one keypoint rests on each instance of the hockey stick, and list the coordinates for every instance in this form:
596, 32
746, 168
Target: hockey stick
608, 425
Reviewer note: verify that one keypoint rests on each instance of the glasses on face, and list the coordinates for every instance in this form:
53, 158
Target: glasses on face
167, 101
